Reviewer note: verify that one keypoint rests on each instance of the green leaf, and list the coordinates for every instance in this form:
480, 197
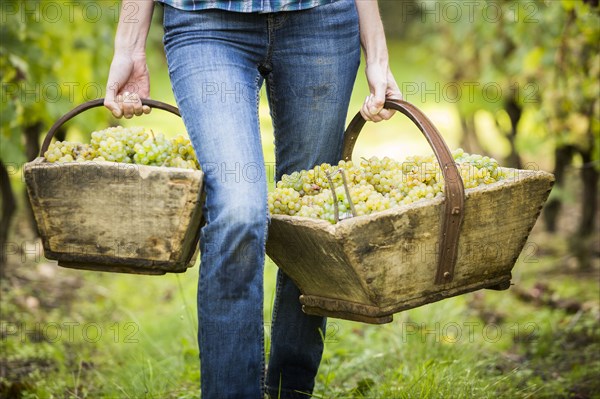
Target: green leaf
10, 150
533, 59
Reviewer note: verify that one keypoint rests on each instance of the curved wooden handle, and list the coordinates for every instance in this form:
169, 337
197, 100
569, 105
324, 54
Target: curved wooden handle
453, 208
93, 104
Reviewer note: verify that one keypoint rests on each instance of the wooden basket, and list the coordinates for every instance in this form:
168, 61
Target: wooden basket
116, 217
369, 267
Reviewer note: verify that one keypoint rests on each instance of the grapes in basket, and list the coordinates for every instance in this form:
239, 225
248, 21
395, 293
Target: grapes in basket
373, 185
130, 145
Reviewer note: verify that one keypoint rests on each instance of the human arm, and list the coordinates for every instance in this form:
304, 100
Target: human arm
381, 82
128, 78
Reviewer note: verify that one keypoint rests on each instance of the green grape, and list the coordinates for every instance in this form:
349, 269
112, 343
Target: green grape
65, 151
120, 144
374, 185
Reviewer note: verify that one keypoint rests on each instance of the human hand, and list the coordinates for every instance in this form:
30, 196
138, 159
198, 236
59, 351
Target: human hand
128, 82
383, 87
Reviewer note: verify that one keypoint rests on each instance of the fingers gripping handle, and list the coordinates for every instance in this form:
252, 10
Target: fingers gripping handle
453, 207
93, 104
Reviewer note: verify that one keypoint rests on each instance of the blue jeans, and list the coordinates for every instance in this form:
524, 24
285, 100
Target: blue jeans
218, 61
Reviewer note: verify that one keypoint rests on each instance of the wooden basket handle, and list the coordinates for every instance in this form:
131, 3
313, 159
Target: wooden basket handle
93, 104
453, 207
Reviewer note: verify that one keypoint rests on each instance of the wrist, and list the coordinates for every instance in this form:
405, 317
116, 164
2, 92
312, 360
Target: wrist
130, 44
377, 60
131, 36
131, 52
375, 50
380, 60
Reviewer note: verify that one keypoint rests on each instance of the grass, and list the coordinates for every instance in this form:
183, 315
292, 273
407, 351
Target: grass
79, 334
88, 335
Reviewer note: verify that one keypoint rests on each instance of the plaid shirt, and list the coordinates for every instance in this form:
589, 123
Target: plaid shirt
246, 5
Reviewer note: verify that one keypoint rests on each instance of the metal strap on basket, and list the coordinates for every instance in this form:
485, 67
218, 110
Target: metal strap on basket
453, 207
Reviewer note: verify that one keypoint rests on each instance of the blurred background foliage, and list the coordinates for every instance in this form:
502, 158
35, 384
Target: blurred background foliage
517, 80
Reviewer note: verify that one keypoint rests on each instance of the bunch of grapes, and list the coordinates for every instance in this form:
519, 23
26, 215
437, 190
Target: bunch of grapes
182, 154
64, 151
116, 144
373, 185
128, 145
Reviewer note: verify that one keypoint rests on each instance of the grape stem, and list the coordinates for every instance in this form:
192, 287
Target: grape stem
335, 200
345, 183
336, 213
